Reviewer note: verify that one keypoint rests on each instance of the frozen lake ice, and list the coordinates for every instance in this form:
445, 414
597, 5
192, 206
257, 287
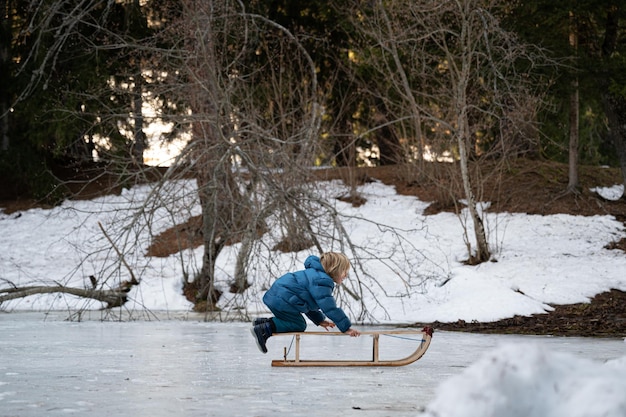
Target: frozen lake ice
189, 367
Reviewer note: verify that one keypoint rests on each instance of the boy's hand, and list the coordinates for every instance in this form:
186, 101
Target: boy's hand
353, 333
327, 324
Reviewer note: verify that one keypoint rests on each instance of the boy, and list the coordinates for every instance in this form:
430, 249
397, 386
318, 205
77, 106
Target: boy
310, 292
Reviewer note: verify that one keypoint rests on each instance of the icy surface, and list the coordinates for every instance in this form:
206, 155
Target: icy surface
51, 367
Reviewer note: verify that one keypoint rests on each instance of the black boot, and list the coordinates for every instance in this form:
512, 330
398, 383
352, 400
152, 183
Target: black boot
259, 320
261, 333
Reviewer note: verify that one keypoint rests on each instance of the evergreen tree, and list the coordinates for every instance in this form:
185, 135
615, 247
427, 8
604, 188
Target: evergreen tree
76, 84
596, 64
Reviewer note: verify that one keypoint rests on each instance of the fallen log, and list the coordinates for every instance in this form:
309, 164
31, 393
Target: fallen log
113, 297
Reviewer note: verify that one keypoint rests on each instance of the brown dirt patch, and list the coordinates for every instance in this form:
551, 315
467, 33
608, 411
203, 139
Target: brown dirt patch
603, 316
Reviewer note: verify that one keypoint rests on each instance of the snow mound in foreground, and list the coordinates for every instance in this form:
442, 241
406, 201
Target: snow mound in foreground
530, 381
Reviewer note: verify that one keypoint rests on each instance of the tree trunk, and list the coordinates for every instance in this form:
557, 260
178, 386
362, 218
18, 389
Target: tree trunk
614, 102
408, 94
615, 109
574, 110
4, 125
139, 137
573, 185
5, 75
391, 152
463, 136
218, 222
482, 247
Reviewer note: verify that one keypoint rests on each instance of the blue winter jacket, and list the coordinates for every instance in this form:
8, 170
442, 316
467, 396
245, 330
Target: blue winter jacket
307, 292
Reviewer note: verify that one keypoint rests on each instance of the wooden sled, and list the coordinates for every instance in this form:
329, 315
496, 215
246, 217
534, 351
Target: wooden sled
425, 333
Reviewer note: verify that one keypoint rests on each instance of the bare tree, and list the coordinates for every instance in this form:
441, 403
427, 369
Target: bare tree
254, 110
255, 116
463, 82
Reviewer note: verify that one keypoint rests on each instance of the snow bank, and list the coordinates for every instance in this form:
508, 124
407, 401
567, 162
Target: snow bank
531, 381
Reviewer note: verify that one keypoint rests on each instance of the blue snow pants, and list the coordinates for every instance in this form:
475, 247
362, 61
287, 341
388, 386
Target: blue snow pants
288, 321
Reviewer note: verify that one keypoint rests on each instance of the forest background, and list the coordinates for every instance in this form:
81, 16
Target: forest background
454, 97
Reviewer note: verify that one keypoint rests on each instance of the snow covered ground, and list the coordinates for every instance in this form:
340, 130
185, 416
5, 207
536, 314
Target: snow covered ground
541, 260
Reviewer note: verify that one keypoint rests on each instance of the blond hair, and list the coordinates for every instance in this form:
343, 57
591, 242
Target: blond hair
335, 264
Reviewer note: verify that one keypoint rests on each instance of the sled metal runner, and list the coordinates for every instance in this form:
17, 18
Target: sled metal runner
424, 343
